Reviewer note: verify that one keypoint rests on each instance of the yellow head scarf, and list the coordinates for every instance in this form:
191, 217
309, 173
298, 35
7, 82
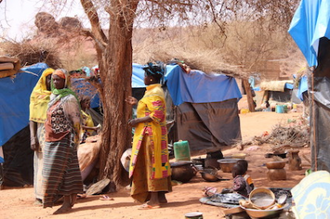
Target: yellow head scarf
39, 98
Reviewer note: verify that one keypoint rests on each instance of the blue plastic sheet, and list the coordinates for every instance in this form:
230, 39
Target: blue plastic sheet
15, 99
309, 23
83, 87
198, 87
138, 76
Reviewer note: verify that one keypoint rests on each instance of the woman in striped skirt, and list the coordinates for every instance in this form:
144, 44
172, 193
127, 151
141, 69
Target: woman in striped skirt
61, 171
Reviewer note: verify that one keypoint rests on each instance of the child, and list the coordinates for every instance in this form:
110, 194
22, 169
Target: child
240, 184
240, 190
88, 128
247, 177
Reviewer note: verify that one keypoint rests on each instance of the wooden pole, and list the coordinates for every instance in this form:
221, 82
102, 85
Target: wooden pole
314, 126
248, 91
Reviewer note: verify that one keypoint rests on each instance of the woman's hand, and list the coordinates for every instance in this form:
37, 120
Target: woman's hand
134, 122
34, 144
131, 100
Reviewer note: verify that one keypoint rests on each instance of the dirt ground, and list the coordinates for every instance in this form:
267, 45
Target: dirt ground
17, 203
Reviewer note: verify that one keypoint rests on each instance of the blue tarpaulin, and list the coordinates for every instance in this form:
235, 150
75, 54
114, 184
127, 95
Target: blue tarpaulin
198, 87
83, 87
138, 76
15, 99
310, 23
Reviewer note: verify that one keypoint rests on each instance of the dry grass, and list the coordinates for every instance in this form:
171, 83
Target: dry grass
244, 49
188, 45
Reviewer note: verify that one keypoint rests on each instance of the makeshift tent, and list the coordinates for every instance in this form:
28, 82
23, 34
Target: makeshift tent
14, 120
310, 29
206, 111
274, 92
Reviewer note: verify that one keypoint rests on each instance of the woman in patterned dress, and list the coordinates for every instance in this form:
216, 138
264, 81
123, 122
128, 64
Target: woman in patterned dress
61, 171
149, 166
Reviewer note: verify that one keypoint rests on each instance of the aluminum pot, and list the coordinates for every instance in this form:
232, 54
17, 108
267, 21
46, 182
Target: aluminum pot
226, 165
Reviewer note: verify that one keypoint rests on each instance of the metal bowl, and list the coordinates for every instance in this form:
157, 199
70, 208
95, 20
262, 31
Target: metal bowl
262, 198
254, 213
226, 165
209, 175
236, 156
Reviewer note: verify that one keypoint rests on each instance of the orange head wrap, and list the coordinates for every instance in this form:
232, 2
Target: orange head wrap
59, 73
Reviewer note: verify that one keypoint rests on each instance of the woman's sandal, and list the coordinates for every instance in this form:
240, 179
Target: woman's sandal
81, 196
148, 207
106, 198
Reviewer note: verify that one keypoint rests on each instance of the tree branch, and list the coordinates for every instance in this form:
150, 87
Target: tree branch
95, 21
99, 44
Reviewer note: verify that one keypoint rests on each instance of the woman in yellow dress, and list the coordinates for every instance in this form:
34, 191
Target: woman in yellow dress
38, 107
149, 166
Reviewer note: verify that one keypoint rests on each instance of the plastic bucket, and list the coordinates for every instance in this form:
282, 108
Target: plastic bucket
181, 151
280, 109
194, 215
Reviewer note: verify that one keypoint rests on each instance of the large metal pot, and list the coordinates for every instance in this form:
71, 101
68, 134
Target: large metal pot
183, 171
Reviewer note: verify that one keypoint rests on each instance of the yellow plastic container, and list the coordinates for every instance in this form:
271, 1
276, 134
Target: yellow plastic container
243, 111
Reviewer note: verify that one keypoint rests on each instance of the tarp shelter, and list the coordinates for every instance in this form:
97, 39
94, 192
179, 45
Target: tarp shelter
310, 29
206, 111
14, 120
274, 91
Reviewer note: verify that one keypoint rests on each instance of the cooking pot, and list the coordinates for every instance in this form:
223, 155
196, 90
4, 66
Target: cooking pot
182, 171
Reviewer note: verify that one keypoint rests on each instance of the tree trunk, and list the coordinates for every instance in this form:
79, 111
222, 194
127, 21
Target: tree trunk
116, 74
247, 88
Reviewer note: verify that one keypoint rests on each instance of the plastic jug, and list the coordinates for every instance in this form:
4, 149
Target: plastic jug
182, 151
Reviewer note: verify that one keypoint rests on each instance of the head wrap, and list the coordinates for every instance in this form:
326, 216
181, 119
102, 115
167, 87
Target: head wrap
154, 69
64, 91
39, 98
60, 73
